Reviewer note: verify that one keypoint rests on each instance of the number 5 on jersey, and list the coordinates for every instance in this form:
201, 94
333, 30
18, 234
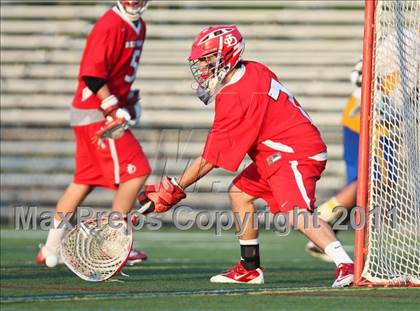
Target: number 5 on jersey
134, 64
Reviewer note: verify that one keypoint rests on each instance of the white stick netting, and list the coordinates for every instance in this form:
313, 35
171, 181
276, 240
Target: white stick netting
95, 252
394, 175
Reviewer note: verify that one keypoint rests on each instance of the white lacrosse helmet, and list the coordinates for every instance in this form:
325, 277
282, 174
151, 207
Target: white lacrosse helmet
133, 8
356, 74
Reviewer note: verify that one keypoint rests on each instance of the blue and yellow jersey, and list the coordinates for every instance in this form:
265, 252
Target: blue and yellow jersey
351, 113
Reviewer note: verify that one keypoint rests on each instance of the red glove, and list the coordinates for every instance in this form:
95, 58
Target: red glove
116, 121
165, 194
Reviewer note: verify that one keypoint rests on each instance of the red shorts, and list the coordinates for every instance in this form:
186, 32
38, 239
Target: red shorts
292, 186
121, 160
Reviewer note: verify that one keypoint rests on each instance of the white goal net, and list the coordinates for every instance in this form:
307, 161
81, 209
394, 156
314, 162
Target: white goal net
393, 234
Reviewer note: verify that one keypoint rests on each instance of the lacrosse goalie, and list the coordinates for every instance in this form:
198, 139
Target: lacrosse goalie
255, 114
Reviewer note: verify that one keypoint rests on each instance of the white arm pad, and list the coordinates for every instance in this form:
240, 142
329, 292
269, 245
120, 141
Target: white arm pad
109, 102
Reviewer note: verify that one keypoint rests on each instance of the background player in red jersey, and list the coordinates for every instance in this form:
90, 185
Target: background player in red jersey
105, 105
255, 115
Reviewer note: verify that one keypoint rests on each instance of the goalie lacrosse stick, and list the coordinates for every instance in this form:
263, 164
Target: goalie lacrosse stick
96, 251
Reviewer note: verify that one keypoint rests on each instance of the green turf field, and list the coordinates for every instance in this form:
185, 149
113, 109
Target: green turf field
176, 278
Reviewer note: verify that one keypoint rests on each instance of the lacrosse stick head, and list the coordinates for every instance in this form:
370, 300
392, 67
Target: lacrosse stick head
95, 251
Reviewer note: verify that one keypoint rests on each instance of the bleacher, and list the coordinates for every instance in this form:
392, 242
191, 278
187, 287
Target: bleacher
311, 45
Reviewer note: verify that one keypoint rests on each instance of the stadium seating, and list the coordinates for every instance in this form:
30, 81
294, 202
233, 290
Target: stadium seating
312, 46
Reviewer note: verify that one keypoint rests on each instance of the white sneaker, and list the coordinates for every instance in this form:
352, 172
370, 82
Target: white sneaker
343, 275
136, 256
43, 253
238, 274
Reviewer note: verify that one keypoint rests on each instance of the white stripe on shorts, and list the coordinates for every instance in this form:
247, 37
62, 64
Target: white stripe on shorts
114, 156
323, 156
299, 182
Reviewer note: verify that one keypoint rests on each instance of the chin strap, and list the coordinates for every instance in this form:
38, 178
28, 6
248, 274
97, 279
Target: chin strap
203, 95
207, 95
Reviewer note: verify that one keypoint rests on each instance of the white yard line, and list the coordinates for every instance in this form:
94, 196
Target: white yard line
220, 292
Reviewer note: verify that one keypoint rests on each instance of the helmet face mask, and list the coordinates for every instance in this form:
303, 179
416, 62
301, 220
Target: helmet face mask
133, 8
215, 52
207, 69
209, 72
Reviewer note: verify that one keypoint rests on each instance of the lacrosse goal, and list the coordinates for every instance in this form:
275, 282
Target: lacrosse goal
387, 246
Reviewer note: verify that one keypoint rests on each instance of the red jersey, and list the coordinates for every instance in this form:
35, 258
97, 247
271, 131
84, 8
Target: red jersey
256, 114
112, 52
